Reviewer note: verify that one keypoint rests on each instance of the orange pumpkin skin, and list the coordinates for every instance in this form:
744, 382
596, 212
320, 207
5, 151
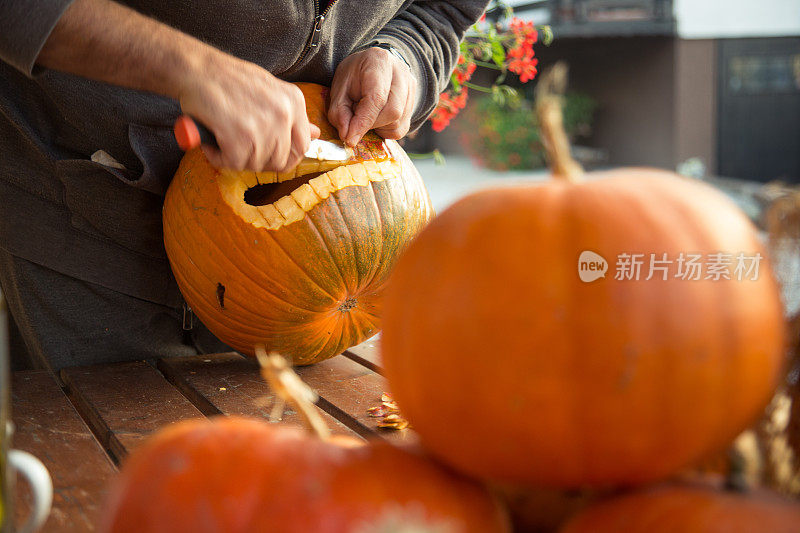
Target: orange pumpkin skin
689, 508
511, 368
304, 274
236, 475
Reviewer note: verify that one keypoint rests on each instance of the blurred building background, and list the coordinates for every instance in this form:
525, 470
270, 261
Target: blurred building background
717, 81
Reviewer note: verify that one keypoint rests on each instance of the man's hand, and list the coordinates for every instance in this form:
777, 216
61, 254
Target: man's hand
259, 121
372, 89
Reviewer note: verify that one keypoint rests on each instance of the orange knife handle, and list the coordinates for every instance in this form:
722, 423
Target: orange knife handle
190, 134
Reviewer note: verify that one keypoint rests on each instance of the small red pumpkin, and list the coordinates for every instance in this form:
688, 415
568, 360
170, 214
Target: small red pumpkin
237, 475
689, 508
511, 368
297, 261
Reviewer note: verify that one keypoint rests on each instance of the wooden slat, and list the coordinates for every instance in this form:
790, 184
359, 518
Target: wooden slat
367, 353
231, 384
125, 402
347, 389
48, 427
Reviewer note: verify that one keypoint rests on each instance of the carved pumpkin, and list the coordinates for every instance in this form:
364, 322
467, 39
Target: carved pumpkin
231, 475
512, 368
689, 508
296, 261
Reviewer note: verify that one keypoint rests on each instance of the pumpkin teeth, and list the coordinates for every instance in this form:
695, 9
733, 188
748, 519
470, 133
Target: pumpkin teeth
322, 186
293, 206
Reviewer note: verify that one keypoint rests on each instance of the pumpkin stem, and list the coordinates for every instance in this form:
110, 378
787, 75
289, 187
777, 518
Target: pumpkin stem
549, 101
289, 388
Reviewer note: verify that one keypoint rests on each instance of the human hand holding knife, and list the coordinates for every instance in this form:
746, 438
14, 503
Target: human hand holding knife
190, 134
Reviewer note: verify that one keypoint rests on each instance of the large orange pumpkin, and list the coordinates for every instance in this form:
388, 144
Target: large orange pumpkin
690, 508
512, 368
237, 475
296, 261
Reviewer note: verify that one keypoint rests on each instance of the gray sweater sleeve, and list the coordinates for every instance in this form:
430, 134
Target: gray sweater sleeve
427, 33
25, 25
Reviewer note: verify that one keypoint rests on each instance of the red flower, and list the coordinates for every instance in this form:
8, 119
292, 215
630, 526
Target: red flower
438, 121
522, 51
460, 101
525, 68
464, 74
447, 108
525, 32
522, 61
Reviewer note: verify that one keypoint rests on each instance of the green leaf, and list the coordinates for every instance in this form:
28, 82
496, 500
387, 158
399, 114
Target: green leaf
454, 82
498, 54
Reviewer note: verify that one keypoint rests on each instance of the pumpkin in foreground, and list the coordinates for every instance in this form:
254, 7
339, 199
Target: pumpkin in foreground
296, 261
232, 475
690, 508
511, 368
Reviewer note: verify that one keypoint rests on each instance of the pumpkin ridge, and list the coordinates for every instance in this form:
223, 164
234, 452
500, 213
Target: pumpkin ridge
236, 303
313, 224
336, 333
300, 267
384, 221
346, 263
359, 282
227, 229
376, 267
247, 327
236, 267
293, 261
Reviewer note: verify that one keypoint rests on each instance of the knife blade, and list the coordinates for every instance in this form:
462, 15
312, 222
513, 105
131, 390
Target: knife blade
190, 134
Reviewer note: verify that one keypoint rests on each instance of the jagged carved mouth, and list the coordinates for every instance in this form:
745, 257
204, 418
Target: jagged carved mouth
274, 200
268, 193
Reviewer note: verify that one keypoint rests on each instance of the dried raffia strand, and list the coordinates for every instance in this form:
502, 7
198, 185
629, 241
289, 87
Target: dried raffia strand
549, 97
288, 386
779, 429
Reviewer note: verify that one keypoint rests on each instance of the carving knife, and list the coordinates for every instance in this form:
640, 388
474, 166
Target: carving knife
191, 134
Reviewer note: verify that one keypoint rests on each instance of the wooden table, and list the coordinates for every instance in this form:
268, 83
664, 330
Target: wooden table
85, 421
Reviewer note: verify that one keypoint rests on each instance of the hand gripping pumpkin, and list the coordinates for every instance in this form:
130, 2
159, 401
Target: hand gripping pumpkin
296, 260
511, 367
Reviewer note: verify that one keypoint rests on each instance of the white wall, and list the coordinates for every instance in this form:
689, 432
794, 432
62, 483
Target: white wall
700, 19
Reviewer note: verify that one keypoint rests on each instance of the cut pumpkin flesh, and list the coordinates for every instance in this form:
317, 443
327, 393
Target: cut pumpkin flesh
273, 199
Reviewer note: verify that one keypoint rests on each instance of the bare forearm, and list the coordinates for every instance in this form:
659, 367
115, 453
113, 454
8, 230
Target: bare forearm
105, 41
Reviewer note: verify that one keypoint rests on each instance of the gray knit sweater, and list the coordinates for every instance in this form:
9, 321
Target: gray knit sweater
103, 225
